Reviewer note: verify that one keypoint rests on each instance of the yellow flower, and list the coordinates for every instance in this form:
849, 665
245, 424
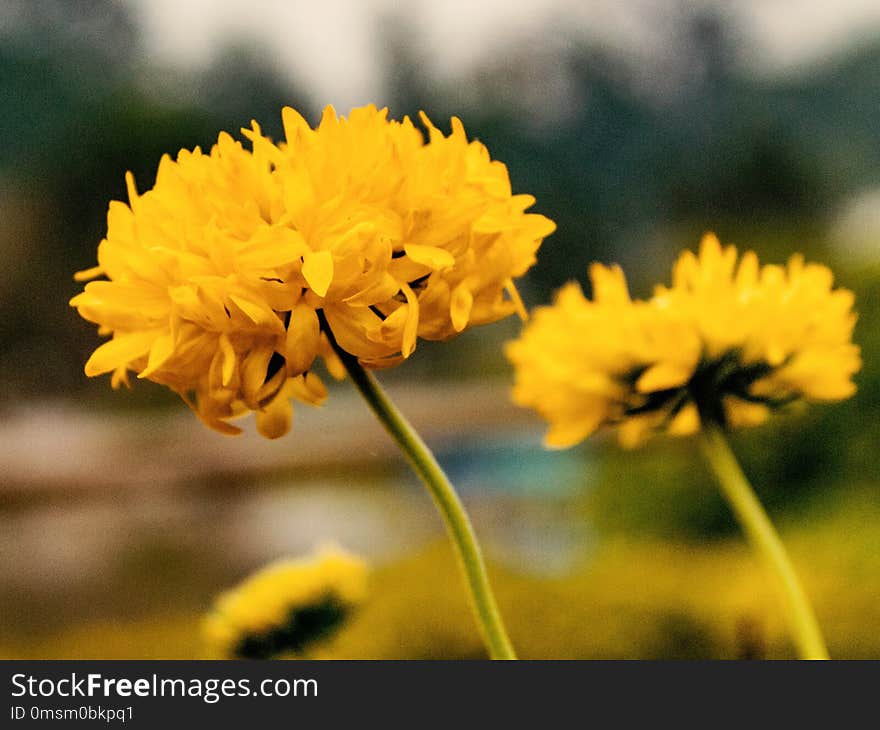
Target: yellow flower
728, 341
286, 607
221, 279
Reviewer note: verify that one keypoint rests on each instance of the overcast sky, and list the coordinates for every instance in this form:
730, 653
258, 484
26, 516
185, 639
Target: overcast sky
333, 45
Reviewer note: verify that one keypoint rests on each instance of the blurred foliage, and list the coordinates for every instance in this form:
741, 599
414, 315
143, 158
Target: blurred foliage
634, 152
637, 598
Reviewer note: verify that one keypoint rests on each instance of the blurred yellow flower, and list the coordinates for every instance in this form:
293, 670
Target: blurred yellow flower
728, 341
221, 278
286, 607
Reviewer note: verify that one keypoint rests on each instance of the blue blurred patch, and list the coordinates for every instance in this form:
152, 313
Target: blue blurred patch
515, 463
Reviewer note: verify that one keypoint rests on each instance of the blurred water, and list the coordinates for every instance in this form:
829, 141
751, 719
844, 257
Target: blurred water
144, 514
512, 461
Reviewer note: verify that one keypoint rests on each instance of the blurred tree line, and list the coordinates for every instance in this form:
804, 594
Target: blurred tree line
634, 153
633, 158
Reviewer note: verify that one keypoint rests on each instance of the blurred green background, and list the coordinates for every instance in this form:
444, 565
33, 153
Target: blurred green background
637, 127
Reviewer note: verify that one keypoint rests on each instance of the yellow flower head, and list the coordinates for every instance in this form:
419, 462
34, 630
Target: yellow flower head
728, 341
222, 279
286, 607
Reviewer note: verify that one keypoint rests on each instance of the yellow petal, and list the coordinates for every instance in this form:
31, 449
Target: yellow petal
161, 350
253, 372
210, 419
271, 247
331, 360
518, 305
350, 326
379, 291
308, 388
743, 413
294, 123
460, 307
609, 284
119, 378
131, 188
710, 247
317, 270
120, 351
228, 359
411, 326
662, 376
433, 256
567, 433
381, 363
328, 117
686, 422
274, 420
271, 388
257, 313
303, 339
87, 274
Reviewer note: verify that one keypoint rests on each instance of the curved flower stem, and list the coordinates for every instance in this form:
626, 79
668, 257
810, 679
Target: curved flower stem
764, 539
457, 523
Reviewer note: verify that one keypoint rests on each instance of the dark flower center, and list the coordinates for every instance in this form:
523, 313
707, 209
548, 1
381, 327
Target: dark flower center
304, 626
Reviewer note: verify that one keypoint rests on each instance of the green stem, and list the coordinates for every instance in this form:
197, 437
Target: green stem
457, 523
765, 540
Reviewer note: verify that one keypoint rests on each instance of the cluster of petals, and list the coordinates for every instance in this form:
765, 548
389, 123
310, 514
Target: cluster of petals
277, 609
227, 278
729, 340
